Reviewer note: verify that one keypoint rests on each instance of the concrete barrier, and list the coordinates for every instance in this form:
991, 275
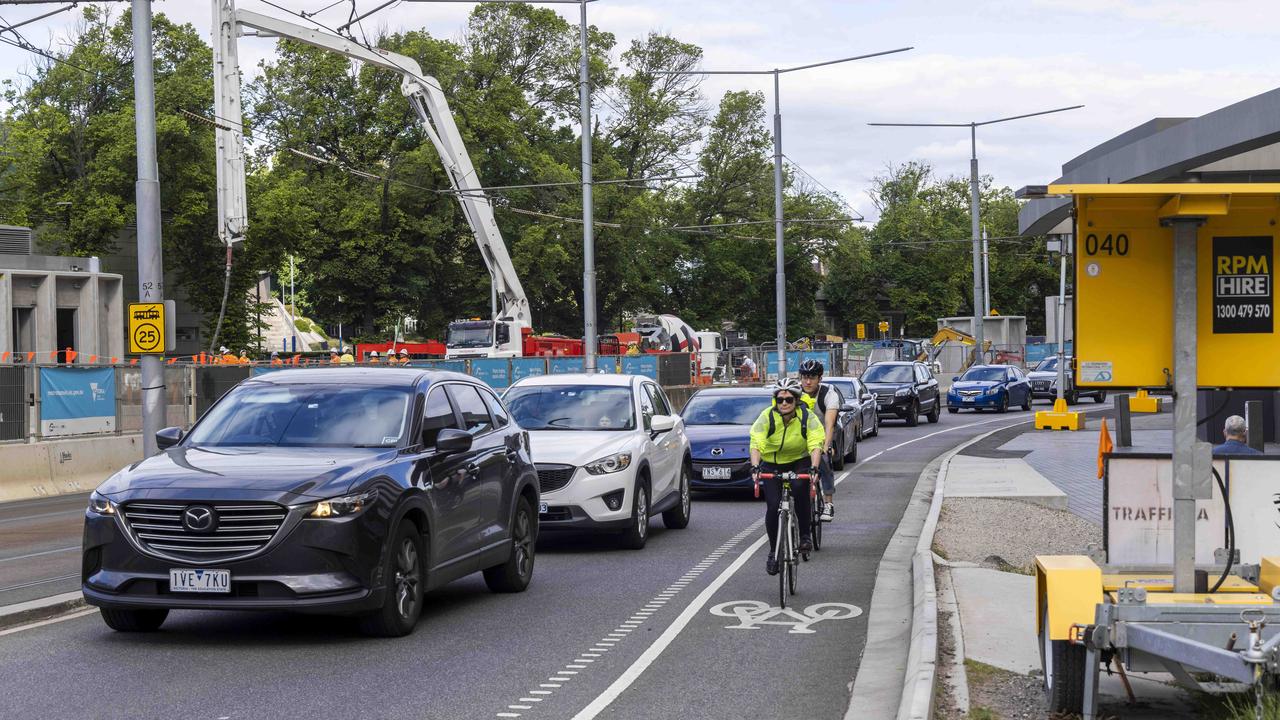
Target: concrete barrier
63, 467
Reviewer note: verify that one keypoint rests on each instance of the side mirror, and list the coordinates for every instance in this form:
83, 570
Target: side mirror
168, 437
955, 379
867, 396
848, 407
662, 423
453, 440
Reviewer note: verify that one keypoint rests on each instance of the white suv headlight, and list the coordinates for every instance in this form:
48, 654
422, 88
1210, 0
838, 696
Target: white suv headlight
902, 392
610, 464
342, 506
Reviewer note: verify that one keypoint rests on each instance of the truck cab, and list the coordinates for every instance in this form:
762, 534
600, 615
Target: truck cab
477, 338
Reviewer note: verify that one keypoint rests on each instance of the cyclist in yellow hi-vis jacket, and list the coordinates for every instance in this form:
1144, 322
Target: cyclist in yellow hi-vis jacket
786, 439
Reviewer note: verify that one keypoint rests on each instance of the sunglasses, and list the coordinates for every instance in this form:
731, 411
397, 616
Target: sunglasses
785, 400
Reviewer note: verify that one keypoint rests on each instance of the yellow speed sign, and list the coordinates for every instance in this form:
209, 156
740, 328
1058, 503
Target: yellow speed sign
146, 328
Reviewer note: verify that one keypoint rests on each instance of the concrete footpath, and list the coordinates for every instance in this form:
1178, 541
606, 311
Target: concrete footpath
1011, 496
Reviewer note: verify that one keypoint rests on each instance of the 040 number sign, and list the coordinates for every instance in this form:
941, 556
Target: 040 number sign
1106, 245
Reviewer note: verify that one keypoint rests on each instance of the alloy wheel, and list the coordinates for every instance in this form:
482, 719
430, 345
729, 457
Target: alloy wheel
522, 541
408, 576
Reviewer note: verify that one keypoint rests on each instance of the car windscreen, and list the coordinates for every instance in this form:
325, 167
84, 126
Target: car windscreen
571, 407
985, 373
305, 416
1047, 365
889, 374
846, 389
724, 409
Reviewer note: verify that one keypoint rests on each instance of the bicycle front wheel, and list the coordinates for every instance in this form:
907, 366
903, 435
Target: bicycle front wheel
815, 525
795, 555
783, 558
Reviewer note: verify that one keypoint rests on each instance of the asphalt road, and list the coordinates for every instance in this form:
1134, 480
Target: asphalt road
684, 627
40, 547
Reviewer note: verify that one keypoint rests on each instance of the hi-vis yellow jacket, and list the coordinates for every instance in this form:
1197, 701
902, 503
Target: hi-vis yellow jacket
790, 441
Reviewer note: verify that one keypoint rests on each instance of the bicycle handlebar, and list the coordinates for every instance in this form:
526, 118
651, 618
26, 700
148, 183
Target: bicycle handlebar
783, 476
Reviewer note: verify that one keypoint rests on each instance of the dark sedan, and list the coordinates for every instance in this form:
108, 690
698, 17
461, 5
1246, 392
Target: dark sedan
859, 402
343, 490
718, 423
991, 387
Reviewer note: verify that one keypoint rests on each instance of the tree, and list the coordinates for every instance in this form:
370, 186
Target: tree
73, 157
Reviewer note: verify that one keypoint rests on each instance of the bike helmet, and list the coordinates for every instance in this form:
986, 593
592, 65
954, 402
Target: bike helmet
811, 367
791, 385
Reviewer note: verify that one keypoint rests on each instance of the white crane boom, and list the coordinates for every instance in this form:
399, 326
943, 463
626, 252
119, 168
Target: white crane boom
428, 102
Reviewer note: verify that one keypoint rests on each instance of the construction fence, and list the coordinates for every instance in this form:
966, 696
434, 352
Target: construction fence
40, 402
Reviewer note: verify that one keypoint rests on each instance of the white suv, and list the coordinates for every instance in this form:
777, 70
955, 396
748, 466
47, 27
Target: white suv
610, 453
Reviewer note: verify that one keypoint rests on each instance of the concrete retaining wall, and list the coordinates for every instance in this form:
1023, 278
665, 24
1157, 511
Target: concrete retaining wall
61, 467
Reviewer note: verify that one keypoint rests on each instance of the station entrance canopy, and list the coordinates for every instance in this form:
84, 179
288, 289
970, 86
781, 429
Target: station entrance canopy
1124, 282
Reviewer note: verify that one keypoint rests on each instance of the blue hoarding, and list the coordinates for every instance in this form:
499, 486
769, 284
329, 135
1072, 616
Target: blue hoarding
561, 365
494, 371
527, 367
77, 400
646, 365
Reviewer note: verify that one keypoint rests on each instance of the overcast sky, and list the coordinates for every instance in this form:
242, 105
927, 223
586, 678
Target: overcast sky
1127, 61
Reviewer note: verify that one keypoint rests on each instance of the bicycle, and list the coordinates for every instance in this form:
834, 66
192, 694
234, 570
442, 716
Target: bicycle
787, 551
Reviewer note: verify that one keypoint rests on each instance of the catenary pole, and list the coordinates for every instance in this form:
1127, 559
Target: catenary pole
147, 188
588, 231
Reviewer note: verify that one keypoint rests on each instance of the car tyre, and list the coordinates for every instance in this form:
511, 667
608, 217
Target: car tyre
1003, 407
852, 457
1026, 404
405, 583
837, 457
634, 537
913, 415
953, 410
1072, 397
1101, 397
875, 426
516, 573
1064, 666
125, 620
935, 414
677, 518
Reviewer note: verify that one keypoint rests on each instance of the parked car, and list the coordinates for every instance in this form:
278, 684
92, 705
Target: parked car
718, 422
1044, 383
861, 402
339, 491
904, 390
994, 387
609, 450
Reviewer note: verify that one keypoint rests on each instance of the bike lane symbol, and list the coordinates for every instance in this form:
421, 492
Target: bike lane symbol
752, 614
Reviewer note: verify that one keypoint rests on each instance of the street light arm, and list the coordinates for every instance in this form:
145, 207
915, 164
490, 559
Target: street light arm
845, 60
1034, 114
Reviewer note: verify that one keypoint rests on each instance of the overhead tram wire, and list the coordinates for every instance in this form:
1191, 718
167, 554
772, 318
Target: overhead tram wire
834, 195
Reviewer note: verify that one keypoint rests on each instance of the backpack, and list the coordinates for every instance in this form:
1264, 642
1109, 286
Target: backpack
804, 422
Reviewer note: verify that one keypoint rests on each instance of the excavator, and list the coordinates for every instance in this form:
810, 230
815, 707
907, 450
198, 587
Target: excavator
948, 335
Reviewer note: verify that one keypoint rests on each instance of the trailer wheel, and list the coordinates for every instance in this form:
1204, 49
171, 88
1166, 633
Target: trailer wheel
1064, 669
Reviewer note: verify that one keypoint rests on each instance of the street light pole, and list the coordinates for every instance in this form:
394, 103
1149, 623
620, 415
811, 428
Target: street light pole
588, 214
147, 189
979, 309
780, 278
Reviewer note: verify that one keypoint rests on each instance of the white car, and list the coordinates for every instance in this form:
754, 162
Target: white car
610, 453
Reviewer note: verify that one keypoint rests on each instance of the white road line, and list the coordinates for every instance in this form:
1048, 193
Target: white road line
539, 692
38, 554
848, 473
646, 658
530, 699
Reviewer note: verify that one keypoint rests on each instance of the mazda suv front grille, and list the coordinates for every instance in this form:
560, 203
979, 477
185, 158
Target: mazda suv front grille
203, 532
554, 477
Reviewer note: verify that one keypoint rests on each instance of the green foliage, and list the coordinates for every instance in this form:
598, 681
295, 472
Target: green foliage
378, 234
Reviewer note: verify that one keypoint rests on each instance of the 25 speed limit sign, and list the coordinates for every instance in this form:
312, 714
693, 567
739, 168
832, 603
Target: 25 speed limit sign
146, 328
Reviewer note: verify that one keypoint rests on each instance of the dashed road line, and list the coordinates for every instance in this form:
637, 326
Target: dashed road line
611, 639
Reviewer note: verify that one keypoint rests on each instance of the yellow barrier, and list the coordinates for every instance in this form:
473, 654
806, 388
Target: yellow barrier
1059, 418
1144, 403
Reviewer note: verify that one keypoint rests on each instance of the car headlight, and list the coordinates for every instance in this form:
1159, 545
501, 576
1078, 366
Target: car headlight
342, 506
610, 464
902, 392
995, 390
100, 505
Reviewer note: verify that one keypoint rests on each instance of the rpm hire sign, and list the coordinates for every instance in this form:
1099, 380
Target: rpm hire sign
1243, 296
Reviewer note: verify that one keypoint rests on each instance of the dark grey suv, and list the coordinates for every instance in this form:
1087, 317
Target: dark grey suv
904, 389
344, 490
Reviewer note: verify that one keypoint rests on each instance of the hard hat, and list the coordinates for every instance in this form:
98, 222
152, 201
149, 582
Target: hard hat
223, 349
373, 353
275, 353
332, 351
404, 351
